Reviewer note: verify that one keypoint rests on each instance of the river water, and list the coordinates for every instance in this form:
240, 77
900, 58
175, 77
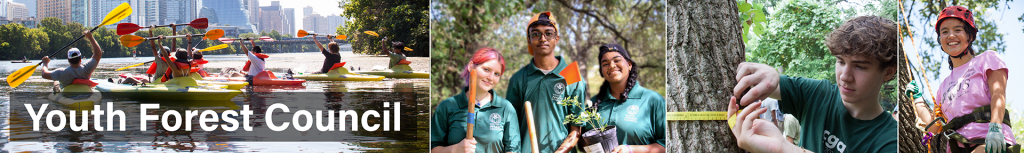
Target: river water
339, 95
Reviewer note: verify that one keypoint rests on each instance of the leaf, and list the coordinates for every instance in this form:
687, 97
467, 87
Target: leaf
759, 16
759, 29
744, 7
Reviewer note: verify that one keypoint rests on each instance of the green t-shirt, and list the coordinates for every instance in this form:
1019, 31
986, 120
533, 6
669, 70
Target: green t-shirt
495, 127
640, 120
395, 58
544, 91
826, 124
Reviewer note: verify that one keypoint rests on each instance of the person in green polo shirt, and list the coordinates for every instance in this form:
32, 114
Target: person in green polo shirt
842, 117
495, 129
639, 118
540, 83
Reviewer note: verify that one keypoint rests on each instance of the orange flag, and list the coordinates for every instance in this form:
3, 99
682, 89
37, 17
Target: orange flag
571, 73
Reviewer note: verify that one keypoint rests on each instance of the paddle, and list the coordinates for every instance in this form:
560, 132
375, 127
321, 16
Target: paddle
221, 46
133, 40
408, 49
371, 33
303, 33
120, 12
128, 28
472, 104
230, 40
130, 66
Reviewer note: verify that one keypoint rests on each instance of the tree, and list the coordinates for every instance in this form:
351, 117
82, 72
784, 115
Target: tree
705, 47
405, 21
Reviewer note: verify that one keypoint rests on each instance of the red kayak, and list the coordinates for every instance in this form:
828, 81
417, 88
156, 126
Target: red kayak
268, 78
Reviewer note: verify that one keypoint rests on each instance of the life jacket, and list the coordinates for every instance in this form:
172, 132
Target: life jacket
247, 63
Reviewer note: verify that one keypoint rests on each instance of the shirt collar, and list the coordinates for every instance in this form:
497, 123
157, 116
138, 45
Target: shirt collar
463, 99
635, 93
533, 68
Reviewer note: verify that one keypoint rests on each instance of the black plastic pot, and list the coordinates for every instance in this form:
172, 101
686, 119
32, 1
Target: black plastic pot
606, 138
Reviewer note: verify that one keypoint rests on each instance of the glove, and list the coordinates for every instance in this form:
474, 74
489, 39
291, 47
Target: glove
994, 142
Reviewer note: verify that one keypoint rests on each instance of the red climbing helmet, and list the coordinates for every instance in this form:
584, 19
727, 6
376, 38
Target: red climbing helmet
959, 12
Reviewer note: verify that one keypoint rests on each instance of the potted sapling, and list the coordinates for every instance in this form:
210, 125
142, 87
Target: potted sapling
602, 138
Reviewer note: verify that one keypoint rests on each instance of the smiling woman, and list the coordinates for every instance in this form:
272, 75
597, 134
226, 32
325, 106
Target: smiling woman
636, 114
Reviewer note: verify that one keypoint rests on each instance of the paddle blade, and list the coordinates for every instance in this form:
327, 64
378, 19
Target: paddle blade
131, 40
18, 77
571, 73
302, 33
226, 40
266, 38
372, 33
214, 34
408, 49
130, 66
200, 23
341, 37
127, 28
119, 13
221, 46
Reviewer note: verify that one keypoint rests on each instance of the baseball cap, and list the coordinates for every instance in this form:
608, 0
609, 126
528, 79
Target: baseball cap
74, 53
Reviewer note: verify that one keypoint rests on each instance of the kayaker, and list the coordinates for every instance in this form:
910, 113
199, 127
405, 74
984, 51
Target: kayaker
637, 113
157, 69
197, 59
496, 127
255, 64
540, 83
77, 69
330, 57
841, 117
395, 53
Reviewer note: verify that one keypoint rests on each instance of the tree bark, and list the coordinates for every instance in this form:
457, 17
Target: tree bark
909, 135
704, 48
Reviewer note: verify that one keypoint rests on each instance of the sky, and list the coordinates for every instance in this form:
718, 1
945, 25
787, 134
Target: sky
322, 7
1010, 27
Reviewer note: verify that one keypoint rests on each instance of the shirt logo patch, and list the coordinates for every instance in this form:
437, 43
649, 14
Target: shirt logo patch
832, 142
559, 89
496, 122
631, 113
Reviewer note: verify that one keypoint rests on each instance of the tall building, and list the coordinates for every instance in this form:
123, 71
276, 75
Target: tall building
98, 10
289, 21
80, 12
180, 11
229, 13
307, 10
333, 21
252, 7
4, 4
156, 12
16, 10
272, 18
309, 22
54, 8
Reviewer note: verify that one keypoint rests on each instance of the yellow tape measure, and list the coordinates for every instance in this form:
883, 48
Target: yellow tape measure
701, 116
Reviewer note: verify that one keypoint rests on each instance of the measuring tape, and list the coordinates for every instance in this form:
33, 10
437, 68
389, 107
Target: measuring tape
702, 116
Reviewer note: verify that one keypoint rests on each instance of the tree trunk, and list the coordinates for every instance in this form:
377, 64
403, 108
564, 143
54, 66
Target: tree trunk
705, 45
910, 136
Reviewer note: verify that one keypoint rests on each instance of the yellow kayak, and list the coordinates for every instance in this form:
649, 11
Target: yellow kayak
77, 97
232, 85
339, 74
180, 88
399, 71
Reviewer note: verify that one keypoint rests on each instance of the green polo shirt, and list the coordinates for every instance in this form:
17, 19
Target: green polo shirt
395, 58
639, 120
827, 125
544, 91
496, 128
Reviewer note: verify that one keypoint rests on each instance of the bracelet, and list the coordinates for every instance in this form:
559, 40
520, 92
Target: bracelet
629, 148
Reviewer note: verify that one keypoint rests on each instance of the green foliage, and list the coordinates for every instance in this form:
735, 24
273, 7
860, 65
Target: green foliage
589, 116
753, 18
795, 42
405, 21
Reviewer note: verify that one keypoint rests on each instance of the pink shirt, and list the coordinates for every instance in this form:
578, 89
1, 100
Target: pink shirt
966, 88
